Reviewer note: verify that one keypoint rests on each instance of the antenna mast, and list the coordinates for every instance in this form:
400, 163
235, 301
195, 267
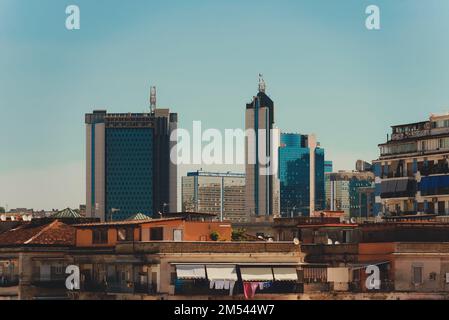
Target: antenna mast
152, 99
262, 85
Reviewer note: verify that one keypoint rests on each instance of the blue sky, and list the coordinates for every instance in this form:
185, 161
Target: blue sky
325, 71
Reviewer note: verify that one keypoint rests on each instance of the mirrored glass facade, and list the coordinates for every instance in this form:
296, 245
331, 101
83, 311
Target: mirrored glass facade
294, 174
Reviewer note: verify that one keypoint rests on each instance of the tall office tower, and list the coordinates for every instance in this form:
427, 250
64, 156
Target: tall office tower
328, 166
412, 172
128, 167
301, 172
261, 152
222, 194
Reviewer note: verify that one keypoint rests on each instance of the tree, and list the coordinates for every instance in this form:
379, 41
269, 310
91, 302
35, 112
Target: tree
238, 235
214, 236
2, 210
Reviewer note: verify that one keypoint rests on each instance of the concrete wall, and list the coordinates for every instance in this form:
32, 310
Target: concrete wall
404, 276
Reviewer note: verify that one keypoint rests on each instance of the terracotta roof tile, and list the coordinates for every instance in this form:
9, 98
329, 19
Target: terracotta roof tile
55, 233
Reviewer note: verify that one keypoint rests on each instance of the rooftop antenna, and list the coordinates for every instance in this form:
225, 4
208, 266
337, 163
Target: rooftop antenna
152, 99
262, 85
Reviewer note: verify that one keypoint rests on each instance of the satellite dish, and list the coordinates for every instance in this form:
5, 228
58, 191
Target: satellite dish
13, 218
329, 241
336, 242
270, 240
3, 217
296, 241
352, 220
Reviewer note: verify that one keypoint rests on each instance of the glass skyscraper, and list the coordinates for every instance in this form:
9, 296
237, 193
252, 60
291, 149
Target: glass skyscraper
128, 167
262, 183
294, 174
328, 166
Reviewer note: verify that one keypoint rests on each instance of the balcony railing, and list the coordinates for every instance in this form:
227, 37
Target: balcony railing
399, 214
117, 287
434, 170
386, 285
408, 174
54, 282
6, 282
49, 284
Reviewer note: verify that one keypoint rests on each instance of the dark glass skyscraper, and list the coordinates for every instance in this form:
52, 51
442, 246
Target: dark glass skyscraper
294, 174
128, 167
328, 166
262, 183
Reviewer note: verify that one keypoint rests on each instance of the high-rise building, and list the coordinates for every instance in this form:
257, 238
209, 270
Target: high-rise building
301, 173
348, 191
217, 193
412, 172
328, 166
361, 165
261, 152
128, 167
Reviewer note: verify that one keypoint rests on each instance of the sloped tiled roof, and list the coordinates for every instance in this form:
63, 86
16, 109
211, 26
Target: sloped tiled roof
139, 216
123, 223
52, 234
67, 214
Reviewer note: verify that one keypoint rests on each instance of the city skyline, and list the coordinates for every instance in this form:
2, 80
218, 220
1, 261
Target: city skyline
327, 73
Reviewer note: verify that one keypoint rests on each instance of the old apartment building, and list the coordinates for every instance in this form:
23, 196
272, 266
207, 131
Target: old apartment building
412, 172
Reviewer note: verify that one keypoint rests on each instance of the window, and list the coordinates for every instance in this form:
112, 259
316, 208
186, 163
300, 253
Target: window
57, 269
45, 272
177, 235
444, 143
125, 234
440, 124
417, 274
157, 234
100, 236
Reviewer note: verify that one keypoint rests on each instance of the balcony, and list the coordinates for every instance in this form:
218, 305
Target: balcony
440, 169
49, 284
390, 175
7, 282
118, 287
